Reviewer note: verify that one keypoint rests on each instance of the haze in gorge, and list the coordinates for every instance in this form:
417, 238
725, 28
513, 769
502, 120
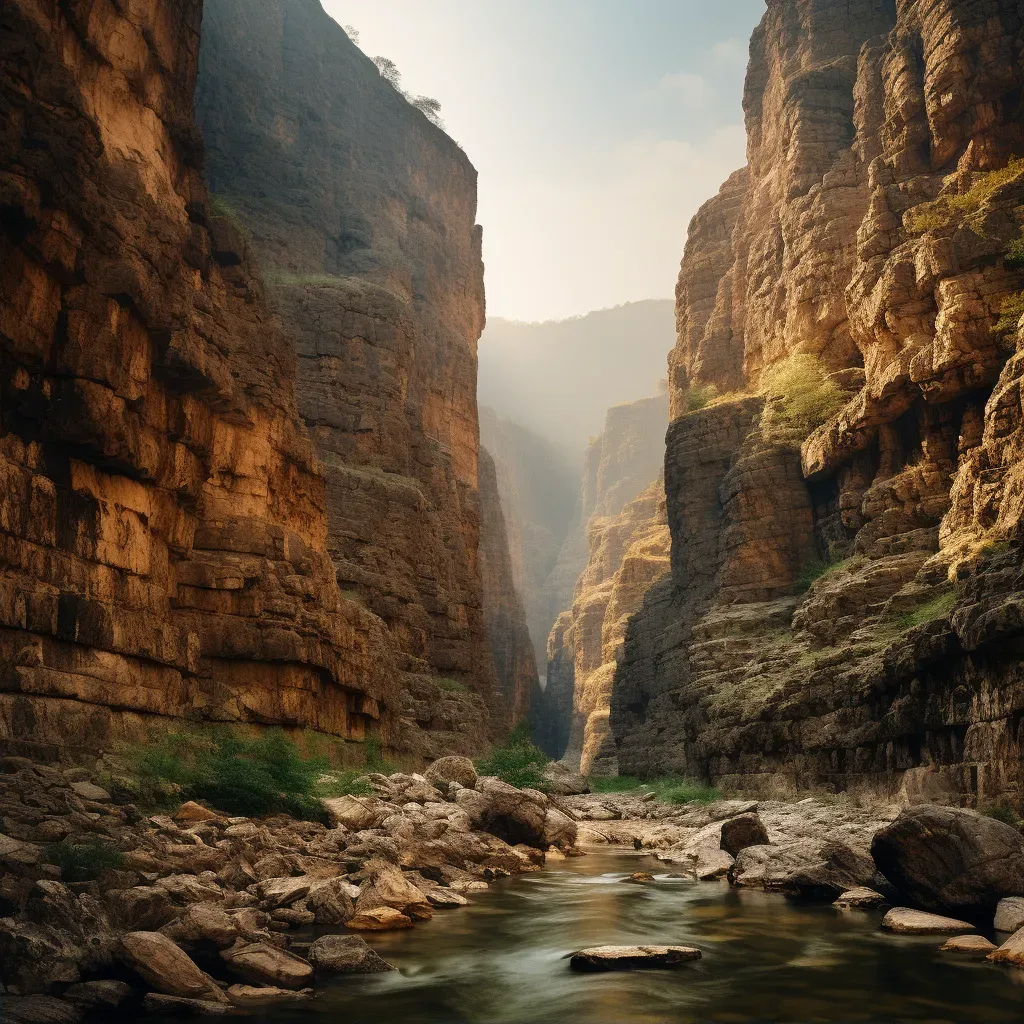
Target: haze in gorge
511, 511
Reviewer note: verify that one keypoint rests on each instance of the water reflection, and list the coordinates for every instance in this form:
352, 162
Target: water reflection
501, 961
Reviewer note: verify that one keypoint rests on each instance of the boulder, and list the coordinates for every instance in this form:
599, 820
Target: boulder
388, 887
177, 1006
97, 995
330, 901
861, 898
837, 868
356, 812
631, 958
511, 814
265, 995
559, 829
345, 954
283, 892
742, 831
1011, 951
905, 921
1009, 914
451, 769
167, 968
640, 877
563, 781
769, 866
379, 919
203, 925
191, 813
263, 964
87, 791
38, 1010
976, 945
951, 859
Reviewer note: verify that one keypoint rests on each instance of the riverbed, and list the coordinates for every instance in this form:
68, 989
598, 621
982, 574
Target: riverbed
766, 958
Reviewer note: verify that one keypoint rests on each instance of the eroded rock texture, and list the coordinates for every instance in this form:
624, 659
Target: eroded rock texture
872, 229
625, 541
163, 540
362, 213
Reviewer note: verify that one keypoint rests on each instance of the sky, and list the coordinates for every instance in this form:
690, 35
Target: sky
598, 127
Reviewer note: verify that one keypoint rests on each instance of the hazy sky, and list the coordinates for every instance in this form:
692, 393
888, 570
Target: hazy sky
598, 127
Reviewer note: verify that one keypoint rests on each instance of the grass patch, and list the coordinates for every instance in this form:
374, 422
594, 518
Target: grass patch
348, 783
820, 568
1005, 813
671, 789
799, 397
1010, 313
1013, 255
518, 762
84, 860
940, 212
934, 609
451, 685
287, 278
699, 396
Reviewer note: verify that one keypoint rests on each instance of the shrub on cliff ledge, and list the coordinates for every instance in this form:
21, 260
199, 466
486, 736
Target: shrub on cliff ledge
799, 397
84, 860
518, 762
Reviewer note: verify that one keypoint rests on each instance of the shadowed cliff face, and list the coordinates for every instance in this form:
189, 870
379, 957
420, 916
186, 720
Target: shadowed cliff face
616, 550
362, 214
163, 528
841, 609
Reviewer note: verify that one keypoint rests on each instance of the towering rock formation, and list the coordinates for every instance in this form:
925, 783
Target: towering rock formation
617, 548
843, 606
163, 529
538, 502
362, 213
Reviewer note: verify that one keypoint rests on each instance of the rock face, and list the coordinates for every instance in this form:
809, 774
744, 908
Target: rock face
843, 463
622, 524
362, 214
515, 664
538, 501
163, 527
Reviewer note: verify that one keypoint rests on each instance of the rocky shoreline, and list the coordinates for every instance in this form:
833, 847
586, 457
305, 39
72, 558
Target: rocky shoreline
210, 914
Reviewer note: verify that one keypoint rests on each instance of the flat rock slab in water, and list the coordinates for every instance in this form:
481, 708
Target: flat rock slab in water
975, 945
861, 899
905, 921
631, 958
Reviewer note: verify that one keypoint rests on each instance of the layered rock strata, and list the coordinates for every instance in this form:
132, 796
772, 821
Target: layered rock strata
618, 546
362, 213
873, 236
163, 528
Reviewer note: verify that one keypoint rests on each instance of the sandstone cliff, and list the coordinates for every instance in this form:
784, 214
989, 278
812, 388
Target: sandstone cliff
163, 528
843, 604
595, 583
362, 214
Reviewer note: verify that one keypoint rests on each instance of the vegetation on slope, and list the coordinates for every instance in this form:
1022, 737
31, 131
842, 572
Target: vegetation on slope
799, 397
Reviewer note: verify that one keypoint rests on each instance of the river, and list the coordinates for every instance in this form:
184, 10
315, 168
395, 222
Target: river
766, 958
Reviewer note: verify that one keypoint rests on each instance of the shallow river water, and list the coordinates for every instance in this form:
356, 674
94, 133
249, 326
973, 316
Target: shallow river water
501, 960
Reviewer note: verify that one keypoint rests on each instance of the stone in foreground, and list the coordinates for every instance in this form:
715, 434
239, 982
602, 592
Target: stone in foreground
262, 964
263, 995
904, 921
1009, 914
1011, 951
37, 1010
976, 945
177, 1006
860, 898
345, 954
167, 968
380, 919
631, 958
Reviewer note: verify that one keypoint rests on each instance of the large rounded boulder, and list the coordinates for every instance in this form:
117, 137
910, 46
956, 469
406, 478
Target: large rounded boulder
451, 769
947, 858
514, 815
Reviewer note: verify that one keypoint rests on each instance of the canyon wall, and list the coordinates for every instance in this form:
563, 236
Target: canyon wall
538, 502
362, 214
618, 542
163, 527
843, 464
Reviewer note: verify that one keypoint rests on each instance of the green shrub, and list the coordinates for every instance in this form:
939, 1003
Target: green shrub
1010, 313
452, 685
690, 792
700, 396
614, 784
1004, 813
518, 762
347, 783
84, 860
940, 212
818, 569
799, 397
240, 774
928, 217
1013, 256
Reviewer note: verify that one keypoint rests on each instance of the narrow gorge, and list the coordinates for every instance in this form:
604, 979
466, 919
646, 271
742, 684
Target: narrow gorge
368, 653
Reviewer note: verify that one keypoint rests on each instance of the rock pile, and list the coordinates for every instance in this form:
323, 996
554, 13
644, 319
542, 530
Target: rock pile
204, 912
